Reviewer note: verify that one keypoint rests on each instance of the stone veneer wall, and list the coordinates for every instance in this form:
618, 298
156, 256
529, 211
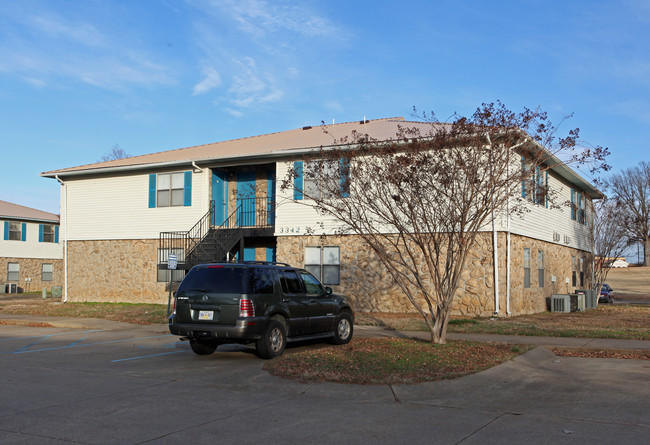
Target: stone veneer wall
33, 268
371, 288
114, 271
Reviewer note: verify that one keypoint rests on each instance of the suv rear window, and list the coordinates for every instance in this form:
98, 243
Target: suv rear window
214, 280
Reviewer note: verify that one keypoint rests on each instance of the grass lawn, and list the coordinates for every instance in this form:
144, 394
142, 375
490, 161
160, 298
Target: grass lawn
630, 322
392, 361
28, 304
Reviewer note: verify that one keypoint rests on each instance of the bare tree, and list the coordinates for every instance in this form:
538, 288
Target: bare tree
631, 190
608, 239
420, 200
115, 153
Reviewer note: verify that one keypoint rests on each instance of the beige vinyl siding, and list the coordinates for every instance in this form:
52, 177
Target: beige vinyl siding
118, 208
31, 247
542, 222
539, 223
297, 217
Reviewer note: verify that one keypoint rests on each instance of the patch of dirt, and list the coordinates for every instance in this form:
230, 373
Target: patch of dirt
626, 355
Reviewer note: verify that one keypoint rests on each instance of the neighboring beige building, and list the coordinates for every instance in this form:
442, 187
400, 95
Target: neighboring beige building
31, 254
123, 218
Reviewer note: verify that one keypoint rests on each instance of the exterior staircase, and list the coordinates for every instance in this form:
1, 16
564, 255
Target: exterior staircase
207, 243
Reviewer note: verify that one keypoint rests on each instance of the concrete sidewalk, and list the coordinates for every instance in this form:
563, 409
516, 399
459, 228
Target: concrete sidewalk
360, 332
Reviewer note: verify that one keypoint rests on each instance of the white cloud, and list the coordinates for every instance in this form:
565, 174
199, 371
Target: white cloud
248, 87
260, 18
211, 80
44, 48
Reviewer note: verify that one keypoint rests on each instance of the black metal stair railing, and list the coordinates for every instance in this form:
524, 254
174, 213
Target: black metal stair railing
205, 243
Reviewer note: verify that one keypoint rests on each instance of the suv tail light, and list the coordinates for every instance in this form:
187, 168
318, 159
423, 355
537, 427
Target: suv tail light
246, 308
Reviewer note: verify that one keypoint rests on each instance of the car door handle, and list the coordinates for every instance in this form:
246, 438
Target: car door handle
313, 300
286, 300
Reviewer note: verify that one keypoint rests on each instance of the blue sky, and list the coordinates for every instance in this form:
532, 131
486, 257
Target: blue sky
79, 76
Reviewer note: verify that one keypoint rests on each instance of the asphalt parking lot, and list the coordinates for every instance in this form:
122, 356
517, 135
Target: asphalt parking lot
139, 385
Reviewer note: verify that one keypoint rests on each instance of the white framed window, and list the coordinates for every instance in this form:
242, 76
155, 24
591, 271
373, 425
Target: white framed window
15, 231
526, 267
311, 176
316, 173
324, 262
48, 233
540, 268
582, 272
170, 190
574, 271
47, 273
13, 271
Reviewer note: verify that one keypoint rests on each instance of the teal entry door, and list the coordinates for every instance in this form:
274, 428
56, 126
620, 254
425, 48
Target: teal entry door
220, 197
246, 199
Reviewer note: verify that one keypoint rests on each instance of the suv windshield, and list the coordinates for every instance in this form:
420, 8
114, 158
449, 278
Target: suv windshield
214, 279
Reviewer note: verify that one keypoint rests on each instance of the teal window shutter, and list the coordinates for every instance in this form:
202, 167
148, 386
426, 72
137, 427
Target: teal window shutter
344, 169
56, 234
40, 233
187, 201
297, 180
23, 232
6, 230
152, 190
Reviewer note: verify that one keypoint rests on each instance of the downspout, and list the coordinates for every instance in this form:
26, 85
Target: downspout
197, 167
508, 312
65, 239
496, 265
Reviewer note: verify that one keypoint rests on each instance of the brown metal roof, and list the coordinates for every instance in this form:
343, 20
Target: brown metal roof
302, 138
9, 210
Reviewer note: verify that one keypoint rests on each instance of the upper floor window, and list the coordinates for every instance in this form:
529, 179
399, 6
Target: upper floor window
170, 189
15, 231
321, 179
535, 187
578, 203
48, 233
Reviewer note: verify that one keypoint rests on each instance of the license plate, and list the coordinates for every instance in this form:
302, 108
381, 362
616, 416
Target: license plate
206, 315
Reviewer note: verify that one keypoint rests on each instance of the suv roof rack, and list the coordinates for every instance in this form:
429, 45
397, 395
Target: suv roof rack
265, 263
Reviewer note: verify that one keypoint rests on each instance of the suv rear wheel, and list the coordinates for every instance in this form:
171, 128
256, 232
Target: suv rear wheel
202, 348
343, 329
273, 341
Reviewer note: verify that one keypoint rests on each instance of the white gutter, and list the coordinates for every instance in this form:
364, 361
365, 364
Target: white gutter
496, 265
65, 238
196, 167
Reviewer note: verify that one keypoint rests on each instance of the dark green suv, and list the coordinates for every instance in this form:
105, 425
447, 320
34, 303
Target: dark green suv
265, 303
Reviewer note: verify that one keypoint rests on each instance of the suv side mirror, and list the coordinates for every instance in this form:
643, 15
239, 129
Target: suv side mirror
328, 290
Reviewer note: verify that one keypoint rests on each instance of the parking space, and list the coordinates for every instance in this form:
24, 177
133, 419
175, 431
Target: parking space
29, 340
137, 385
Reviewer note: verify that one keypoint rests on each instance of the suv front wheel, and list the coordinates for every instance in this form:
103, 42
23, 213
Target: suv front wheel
343, 329
273, 341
